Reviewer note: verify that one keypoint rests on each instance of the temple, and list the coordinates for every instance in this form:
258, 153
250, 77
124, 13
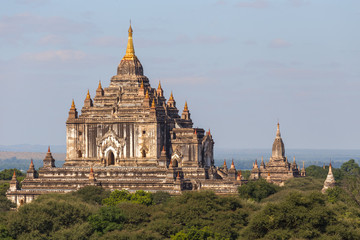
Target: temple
278, 169
129, 136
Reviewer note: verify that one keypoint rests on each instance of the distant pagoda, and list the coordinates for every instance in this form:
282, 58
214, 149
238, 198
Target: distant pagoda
278, 169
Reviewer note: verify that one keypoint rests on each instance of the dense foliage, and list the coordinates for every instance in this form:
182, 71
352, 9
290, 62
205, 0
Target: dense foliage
257, 190
7, 174
260, 211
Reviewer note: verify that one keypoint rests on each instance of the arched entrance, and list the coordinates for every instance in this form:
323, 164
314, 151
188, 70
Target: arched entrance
111, 158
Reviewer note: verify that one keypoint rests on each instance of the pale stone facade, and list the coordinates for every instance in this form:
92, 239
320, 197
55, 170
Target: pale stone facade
130, 137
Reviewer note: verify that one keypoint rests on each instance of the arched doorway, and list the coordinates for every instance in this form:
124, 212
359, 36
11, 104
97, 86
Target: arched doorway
111, 158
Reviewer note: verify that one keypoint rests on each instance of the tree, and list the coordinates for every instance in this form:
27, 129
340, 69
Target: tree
92, 194
7, 174
160, 197
139, 196
257, 190
109, 218
195, 233
304, 216
351, 167
46, 215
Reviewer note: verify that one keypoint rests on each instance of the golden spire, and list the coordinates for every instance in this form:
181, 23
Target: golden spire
159, 87
88, 95
171, 97
48, 148
147, 94
99, 87
72, 105
130, 52
142, 84
186, 107
153, 103
232, 164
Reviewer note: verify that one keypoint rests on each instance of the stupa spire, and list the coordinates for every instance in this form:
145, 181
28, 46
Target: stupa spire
153, 104
329, 181
278, 134
186, 106
130, 51
278, 149
72, 105
171, 97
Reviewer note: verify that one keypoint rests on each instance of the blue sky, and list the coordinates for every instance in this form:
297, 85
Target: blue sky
241, 65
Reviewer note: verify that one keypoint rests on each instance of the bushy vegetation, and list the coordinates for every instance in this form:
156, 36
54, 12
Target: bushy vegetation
260, 211
7, 174
257, 190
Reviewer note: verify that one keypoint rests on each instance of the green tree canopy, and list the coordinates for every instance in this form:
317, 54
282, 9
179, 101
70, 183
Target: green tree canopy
351, 167
7, 174
257, 190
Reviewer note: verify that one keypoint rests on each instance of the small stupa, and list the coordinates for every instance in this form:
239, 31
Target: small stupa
329, 181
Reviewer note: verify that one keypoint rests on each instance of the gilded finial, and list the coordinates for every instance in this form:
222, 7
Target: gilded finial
88, 95
72, 105
99, 87
14, 175
171, 97
130, 51
153, 103
195, 132
159, 86
142, 84
147, 94
48, 148
186, 106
